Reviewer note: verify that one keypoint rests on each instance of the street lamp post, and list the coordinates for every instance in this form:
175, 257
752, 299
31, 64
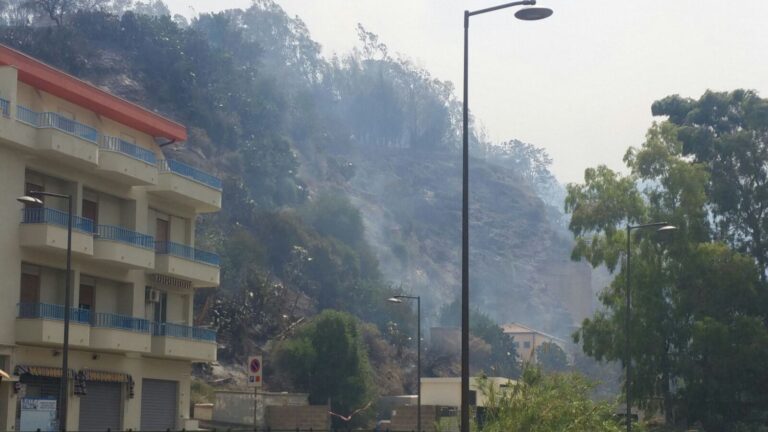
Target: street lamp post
33, 197
661, 227
399, 299
528, 14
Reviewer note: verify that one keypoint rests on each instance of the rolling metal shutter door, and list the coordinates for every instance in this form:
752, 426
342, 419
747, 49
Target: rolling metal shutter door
158, 405
100, 408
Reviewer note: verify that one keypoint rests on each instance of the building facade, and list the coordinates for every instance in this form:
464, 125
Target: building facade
134, 262
527, 340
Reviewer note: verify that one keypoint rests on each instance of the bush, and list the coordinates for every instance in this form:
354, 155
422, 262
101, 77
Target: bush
546, 403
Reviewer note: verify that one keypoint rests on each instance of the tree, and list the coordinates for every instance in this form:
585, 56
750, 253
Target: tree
55, 10
501, 359
546, 403
155, 8
551, 358
327, 359
727, 133
58, 10
694, 300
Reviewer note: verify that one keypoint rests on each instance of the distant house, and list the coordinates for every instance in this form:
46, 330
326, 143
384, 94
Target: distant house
528, 339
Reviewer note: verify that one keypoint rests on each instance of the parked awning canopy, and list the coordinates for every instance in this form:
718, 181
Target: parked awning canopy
43, 371
106, 376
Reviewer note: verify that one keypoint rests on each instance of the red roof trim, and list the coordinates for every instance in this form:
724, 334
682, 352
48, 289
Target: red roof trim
58, 83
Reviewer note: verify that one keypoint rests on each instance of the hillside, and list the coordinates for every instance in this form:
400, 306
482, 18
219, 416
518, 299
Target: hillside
341, 176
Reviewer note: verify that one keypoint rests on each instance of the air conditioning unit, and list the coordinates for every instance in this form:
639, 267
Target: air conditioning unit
152, 295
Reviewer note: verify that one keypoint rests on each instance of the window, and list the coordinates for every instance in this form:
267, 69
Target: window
30, 288
162, 235
127, 138
32, 187
86, 297
91, 211
527, 344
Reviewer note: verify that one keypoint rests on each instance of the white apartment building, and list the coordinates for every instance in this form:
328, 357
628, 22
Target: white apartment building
134, 262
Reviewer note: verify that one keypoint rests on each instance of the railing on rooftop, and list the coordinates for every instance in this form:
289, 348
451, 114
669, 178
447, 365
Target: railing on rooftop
182, 331
56, 121
124, 235
5, 107
45, 215
121, 322
52, 311
184, 251
182, 169
114, 144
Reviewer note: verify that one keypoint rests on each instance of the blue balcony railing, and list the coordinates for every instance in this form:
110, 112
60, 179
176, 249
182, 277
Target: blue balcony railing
56, 121
26, 115
182, 169
114, 144
184, 251
121, 322
5, 107
123, 235
44, 215
53, 312
182, 331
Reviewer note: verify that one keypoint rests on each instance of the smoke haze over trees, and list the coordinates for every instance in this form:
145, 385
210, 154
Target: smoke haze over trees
341, 177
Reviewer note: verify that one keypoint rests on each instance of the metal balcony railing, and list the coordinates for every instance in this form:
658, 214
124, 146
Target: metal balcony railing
184, 251
52, 311
5, 107
182, 169
114, 144
184, 332
121, 322
56, 121
123, 235
45, 215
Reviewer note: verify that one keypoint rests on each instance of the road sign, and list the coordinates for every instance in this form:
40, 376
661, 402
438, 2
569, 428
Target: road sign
255, 369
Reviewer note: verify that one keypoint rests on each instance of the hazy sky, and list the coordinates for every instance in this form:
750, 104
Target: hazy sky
581, 83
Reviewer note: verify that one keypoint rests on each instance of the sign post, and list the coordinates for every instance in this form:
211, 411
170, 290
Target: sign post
255, 368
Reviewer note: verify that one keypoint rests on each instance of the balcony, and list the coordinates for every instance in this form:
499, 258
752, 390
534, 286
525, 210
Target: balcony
43, 324
183, 342
5, 108
64, 138
46, 228
127, 163
120, 333
186, 262
125, 247
188, 186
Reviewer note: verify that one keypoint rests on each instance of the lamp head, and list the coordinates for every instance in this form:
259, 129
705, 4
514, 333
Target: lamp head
394, 300
667, 228
28, 199
533, 13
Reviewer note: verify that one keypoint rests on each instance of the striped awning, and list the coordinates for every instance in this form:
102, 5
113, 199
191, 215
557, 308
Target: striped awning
43, 371
105, 376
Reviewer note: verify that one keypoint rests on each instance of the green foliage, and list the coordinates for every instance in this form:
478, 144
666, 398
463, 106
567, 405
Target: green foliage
546, 403
502, 360
698, 330
726, 134
327, 359
551, 358
201, 392
332, 215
